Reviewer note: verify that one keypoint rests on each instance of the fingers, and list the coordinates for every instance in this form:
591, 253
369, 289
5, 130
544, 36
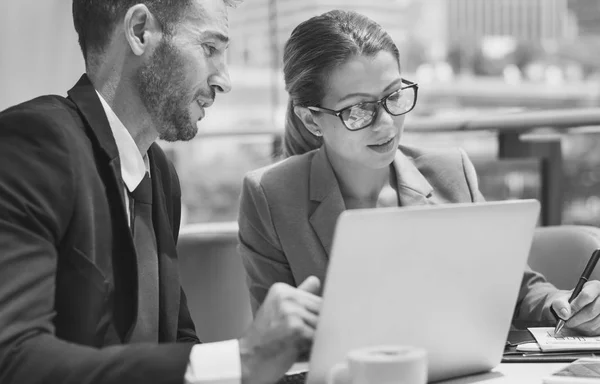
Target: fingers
584, 310
566, 310
304, 333
561, 306
589, 293
311, 285
586, 319
588, 328
300, 328
307, 294
310, 303
283, 329
285, 293
310, 318
586, 314
298, 304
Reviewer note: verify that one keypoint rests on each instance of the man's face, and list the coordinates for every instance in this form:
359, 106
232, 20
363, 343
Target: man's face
185, 71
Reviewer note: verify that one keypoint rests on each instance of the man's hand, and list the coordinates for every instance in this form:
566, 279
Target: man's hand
583, 314
283, 329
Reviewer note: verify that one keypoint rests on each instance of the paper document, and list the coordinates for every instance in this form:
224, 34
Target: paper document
566, 340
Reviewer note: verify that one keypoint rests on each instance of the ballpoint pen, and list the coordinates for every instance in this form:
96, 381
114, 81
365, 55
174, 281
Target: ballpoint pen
589, 268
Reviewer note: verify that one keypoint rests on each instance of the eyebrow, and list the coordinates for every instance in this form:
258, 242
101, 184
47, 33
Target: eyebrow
215, 35
350, 95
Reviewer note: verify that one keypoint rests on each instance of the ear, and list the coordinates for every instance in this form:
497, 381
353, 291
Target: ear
308, 119
142, 30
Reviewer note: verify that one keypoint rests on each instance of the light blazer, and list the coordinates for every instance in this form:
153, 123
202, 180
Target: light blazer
68, 269
288, 212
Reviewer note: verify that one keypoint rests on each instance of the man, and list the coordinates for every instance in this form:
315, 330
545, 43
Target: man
90, 209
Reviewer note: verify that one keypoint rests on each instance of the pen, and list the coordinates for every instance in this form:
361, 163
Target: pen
589, 268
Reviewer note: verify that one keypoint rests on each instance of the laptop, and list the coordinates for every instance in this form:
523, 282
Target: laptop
445, 278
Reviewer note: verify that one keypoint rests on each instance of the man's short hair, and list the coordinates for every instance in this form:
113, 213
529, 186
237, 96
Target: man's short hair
95, 19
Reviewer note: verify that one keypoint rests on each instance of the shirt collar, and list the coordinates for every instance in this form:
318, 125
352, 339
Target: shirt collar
133, 165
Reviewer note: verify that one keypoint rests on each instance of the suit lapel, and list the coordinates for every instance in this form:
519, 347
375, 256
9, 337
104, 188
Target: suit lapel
85, 97
413, 188
167, 258
324, 190
124, 263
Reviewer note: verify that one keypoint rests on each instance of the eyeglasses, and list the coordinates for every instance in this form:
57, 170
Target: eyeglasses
361, 115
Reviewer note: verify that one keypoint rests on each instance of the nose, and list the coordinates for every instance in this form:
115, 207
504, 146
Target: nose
384, 120
220, 81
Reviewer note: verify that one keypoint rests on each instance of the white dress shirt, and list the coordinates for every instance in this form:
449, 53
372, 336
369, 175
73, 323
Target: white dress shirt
211, 363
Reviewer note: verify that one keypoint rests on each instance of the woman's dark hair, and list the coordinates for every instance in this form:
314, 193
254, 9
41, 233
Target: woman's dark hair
315, 48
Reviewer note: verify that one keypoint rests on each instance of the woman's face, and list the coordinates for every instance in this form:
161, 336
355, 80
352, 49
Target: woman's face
362, 78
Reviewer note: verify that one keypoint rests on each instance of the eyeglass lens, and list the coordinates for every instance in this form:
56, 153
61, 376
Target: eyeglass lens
361, 115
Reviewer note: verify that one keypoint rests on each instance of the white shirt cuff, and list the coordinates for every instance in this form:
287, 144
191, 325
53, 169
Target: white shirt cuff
214, 363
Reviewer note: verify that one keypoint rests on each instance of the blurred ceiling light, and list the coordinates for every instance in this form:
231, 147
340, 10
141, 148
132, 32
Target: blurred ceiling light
512, 74
554, 75
497, 47
425, 73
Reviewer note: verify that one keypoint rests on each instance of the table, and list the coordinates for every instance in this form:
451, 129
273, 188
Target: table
510, 373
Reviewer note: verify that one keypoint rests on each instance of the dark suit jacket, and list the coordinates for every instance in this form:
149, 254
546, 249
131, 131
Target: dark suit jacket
288, 213
68, 274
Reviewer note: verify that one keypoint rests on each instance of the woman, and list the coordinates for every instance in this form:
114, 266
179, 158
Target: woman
345, 119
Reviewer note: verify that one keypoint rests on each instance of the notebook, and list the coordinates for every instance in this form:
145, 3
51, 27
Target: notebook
567, 340
522, 347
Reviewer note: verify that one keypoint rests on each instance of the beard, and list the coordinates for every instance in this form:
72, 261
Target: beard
164, 91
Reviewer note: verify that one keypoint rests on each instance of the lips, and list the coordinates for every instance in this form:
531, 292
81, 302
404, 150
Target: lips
204, 104
201, 109
384, 145
383, 142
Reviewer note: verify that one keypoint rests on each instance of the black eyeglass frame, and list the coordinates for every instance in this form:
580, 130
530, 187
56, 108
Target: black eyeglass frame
380, 103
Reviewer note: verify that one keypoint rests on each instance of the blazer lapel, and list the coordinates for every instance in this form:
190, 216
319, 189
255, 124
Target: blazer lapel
168, 273
325, 191
413, 188
85, 97
124, 263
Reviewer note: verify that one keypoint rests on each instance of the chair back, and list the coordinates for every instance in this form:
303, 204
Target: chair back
561, 253
214, 280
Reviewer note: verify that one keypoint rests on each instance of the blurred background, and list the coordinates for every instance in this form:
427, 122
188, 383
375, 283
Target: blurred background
474, 60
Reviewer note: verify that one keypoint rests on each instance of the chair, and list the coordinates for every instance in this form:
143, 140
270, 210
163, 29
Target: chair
214, 280
561, 252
